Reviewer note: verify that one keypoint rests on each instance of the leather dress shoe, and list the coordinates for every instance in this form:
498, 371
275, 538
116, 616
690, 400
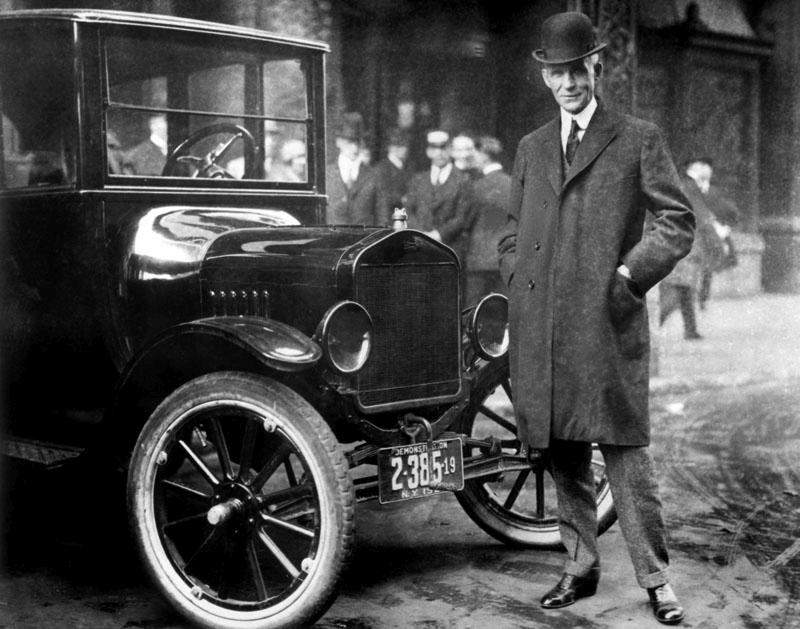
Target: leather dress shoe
570, 588
666, 607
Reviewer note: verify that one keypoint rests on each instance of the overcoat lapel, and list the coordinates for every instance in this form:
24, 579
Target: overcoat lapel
598, 135
552, 155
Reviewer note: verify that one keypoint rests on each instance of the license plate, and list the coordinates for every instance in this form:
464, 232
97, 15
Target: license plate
411, 471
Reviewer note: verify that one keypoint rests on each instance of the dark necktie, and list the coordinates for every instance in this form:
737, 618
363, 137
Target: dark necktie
572, 142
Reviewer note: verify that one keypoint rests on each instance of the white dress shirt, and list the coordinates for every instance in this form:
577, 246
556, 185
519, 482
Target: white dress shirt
440, 175
582, 119
349, 169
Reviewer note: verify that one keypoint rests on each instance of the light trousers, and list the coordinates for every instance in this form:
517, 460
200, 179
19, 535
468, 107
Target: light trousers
635, 491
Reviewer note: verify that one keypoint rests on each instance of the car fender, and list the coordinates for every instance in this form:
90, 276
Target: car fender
195, 348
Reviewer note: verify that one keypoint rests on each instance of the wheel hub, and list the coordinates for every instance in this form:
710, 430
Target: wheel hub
232, 502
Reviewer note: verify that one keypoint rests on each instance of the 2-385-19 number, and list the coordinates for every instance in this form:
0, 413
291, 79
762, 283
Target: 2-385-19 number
413, 471
415, 466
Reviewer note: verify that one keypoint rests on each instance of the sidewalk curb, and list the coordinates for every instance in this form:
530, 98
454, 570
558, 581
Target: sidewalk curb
681, 385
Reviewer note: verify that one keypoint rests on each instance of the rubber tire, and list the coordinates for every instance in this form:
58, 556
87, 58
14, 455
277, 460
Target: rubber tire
321, 451
503, 524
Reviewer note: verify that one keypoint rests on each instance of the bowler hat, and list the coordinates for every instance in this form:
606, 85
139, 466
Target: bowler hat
567, 37
351, 127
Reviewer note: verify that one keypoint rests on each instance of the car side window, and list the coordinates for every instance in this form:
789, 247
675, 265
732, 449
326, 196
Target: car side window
175, 107
37, 99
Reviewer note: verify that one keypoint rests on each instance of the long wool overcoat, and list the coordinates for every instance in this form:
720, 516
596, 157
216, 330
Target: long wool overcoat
580, 340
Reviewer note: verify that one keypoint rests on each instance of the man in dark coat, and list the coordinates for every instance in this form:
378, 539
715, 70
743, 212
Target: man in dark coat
392, 174
578, 264
352, 188
150, 156
489, 203
438, 199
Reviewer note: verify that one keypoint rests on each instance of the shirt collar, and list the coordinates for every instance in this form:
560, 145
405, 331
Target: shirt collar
490, 168
349, 167
443, 173
583, 118
394, 159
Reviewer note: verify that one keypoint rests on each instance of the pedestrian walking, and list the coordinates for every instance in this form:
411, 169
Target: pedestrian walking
489, 204
352, 187
578, 264
725, 216
438, 200
678, 291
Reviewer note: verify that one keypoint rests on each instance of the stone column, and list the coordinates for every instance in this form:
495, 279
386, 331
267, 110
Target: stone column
780, 149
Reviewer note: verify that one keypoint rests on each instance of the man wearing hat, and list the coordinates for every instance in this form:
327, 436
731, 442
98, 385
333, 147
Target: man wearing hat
352, 188
578, 262
438, 200
392, 175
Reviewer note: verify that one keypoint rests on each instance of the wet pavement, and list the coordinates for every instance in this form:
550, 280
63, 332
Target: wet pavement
726, 440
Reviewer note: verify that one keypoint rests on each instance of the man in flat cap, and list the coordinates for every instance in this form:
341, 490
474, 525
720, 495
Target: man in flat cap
438, 200
579, 258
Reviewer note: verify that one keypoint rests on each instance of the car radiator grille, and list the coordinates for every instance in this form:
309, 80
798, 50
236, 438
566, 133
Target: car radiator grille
415, 310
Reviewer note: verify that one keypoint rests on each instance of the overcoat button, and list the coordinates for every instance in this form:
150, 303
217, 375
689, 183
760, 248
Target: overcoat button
537, 246
544, 204
531, 284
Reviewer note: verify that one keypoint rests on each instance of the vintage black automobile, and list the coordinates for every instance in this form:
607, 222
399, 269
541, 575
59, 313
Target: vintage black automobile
173, 303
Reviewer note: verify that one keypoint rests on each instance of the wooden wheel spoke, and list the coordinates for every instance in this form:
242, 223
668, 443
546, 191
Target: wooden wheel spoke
290, 475
248, 447
497, 419
278, 554
199, 464
278, 458
187, 520
506, 384
516, 489
222, 448
208, 543
189, 493
540, 493
288, 526
255, 570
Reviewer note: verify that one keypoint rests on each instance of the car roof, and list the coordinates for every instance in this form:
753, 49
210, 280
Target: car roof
159, 21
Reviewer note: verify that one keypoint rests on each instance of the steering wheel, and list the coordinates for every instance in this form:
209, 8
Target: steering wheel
208, 165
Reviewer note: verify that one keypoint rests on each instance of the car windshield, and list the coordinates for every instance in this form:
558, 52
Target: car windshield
205, 107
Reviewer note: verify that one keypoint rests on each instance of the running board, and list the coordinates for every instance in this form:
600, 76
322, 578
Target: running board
35, 451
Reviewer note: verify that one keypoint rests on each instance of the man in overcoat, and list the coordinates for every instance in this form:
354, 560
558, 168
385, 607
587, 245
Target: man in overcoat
578, 262
439, 198
352, 187
489, 203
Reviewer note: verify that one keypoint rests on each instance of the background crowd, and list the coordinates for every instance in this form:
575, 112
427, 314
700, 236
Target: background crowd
460, 199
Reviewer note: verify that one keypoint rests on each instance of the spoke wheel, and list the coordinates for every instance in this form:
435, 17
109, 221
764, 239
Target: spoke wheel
518, 507
241, 504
